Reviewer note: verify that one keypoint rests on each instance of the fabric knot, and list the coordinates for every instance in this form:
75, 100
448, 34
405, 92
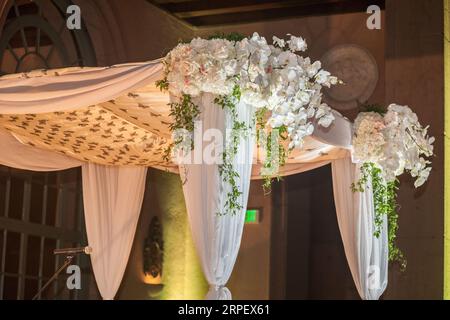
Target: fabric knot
218, 292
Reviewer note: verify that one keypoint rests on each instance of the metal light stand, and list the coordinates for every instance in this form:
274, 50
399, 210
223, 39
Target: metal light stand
68, 261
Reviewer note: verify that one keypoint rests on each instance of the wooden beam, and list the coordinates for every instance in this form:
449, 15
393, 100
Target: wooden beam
317, 9
171, 1
204, 13
206, 5
214, 8
39, 230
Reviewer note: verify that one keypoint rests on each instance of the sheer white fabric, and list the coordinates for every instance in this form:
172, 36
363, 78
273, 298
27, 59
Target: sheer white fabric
112, 199
338, 134
112, 203
20, 156
71, 88
217, 237
366, 254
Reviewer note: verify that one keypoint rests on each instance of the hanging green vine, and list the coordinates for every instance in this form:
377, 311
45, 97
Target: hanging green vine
184, 113
276, 154
385, 204
233, 36
226, 169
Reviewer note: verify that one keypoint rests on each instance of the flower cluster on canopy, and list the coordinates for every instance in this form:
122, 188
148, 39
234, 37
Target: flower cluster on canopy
396, 142
270, 76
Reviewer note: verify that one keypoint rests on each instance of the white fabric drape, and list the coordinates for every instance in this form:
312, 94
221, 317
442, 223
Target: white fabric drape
112, 203
112, 199
20, 156
72, 88
366, 254
217, 237
338, 134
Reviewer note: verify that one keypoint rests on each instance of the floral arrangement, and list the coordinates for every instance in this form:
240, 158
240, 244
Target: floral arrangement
396, 142
388, 145
283, 87
272, 77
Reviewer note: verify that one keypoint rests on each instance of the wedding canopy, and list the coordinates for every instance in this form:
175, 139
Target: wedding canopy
116, 116
114, 123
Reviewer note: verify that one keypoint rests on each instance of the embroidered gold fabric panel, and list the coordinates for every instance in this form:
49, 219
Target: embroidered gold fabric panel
92, 134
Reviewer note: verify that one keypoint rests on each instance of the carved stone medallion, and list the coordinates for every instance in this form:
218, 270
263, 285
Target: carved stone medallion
357, 68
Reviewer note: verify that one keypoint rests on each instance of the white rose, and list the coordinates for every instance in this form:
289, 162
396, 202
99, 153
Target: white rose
297, 44
314, 68
199, 44
326, 120
276, 121
279, 42
304, 97
230, 67
423, 177
323, 77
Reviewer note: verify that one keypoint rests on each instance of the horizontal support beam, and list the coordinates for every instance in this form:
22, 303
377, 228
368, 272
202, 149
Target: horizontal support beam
205, 8
39, 230
202, 8
318, 9
225, 12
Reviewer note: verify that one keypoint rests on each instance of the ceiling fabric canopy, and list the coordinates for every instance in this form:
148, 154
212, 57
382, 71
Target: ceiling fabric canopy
117, 116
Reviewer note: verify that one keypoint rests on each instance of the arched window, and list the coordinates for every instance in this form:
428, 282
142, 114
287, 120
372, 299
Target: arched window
35, 36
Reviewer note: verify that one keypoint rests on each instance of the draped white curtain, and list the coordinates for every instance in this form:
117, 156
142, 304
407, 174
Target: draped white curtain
112, 195
112, 203
217, 237
112, 200
366, 254
71, 88
20, 156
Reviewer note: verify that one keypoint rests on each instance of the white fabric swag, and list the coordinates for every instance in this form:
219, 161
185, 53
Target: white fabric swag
367, 255
217, 237
112, 203
86, 104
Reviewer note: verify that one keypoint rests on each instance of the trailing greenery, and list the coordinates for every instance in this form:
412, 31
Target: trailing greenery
233, 36
276, 154
163, 84
184, 113
373, 107
226, 169
385, 204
